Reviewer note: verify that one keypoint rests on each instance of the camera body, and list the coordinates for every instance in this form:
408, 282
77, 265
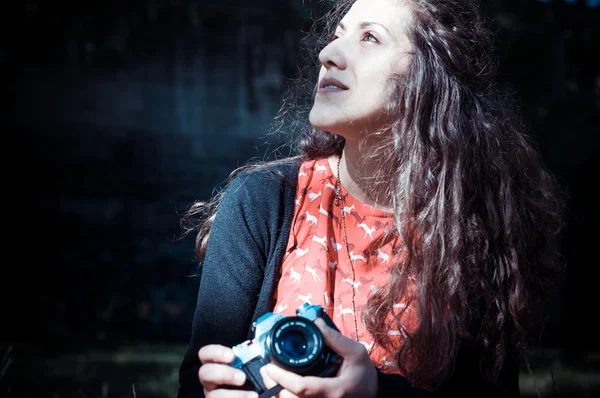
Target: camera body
293, 343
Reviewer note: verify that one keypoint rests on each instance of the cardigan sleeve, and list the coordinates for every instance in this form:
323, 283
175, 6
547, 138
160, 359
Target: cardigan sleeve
232, 273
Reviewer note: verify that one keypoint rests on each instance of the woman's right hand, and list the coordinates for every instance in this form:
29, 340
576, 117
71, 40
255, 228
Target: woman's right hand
216, 373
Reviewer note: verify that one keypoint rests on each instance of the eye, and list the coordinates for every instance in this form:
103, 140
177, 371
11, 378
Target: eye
335, 37
370, 38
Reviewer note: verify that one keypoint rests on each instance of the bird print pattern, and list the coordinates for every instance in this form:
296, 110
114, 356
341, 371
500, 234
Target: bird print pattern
316, 267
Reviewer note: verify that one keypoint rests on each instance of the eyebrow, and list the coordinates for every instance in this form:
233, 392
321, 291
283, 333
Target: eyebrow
365, 24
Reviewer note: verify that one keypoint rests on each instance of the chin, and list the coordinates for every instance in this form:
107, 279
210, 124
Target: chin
330, 128
323, 122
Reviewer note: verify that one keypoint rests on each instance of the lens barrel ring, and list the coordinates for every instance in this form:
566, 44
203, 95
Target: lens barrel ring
295, 343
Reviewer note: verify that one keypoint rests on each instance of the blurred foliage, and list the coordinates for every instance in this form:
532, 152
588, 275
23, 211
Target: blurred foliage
548, 51
46, 29
186, 13
559, 39
151, 371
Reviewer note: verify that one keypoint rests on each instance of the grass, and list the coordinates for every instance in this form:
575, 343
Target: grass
147, 370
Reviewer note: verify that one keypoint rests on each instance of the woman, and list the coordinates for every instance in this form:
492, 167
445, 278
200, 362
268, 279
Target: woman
416, 213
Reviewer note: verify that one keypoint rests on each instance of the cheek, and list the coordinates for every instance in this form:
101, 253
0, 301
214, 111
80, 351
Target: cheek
375, 93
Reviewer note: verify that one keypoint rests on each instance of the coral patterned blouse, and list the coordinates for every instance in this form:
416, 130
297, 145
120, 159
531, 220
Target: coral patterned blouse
316, 267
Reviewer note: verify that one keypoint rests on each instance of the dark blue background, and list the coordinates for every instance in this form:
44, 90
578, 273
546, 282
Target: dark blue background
118, 116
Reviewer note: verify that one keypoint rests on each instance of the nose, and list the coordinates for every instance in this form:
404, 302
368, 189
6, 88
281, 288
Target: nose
333, 56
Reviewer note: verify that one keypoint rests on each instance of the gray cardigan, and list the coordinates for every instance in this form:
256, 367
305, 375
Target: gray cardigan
239, 276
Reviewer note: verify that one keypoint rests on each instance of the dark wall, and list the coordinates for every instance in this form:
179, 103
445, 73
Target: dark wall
123, 115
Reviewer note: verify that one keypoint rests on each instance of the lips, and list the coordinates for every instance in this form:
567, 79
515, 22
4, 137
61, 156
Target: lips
332, 83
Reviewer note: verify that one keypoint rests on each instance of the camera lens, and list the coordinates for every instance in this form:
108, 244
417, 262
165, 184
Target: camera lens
294, 344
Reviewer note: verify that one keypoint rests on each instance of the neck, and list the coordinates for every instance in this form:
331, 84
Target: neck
356, 175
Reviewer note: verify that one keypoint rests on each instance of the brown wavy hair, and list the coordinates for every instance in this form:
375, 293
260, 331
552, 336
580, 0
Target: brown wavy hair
483, 210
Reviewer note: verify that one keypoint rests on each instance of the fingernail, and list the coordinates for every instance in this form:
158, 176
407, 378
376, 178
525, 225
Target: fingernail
228, 355
240, 377
252, 395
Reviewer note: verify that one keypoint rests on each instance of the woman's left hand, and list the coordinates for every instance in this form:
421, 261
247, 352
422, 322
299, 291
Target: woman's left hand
357, 376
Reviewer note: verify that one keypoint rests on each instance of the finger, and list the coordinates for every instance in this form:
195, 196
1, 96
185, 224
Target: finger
213, 375
222, 393
215, 353
300, 386
286, 394
269, 382
339, 343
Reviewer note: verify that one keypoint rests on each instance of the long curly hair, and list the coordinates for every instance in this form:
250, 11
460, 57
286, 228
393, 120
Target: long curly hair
473, 202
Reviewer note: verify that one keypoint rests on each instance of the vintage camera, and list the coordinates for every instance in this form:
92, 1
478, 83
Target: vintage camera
293, 343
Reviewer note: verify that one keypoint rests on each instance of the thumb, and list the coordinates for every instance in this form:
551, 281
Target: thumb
339, 343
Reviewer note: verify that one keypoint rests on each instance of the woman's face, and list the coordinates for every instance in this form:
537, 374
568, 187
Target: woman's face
370, 45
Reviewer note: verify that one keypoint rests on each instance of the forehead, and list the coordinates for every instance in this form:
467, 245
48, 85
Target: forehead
394, 14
